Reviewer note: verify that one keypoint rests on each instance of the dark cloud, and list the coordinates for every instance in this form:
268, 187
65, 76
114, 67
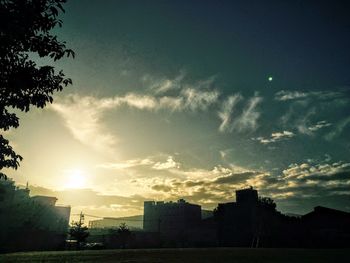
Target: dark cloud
162, 188
234, 178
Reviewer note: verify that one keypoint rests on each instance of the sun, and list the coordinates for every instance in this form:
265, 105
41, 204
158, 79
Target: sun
75, 179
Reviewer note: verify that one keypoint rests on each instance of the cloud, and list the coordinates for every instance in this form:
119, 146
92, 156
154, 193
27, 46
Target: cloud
308, 110
305, 182
285, 95
339, 127
227, 110
250, 115
319, 125
126, 164
207, 191
305, 126
82, 116
275, 137
163, 85
162, 188
169, 180
151, 162
137, 101
208, 187
326, 175
303, 123
247, 120
198, 100
217, 185
169, 164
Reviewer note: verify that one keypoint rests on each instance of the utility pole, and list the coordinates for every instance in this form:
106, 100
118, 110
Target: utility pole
81, 219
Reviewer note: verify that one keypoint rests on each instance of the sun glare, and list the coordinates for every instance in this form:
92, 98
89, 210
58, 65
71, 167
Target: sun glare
75, 179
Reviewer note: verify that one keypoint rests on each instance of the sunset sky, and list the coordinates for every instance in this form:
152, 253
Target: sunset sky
195, 99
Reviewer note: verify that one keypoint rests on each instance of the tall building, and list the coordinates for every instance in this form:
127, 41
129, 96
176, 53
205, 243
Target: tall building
254, 222
170, 218
236, 220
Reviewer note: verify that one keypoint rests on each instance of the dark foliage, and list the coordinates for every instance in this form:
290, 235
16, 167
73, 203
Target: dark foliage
25, 27
119, 237
267, 203
124, 234
79, 232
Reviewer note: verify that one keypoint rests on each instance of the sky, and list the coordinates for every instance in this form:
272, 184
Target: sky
195, 99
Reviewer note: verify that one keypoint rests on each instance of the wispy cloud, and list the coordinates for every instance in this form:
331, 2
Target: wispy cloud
305, 127
152, 162
319, 125
163, 85
245, 120
250, 115
339, 127
227, 111
127, 164
198, 100
275, 137
82, 116
284, 95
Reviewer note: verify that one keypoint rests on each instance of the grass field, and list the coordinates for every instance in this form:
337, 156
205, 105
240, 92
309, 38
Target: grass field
216, 255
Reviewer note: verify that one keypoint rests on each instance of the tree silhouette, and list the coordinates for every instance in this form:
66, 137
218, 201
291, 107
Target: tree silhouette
24, 34
124, 234
78, 231
267, 203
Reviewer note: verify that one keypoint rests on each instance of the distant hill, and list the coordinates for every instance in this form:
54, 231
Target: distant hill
207, 213
293, 215
133, 222
128, 218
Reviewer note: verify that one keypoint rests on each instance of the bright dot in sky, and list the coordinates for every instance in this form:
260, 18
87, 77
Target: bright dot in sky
270, 78
75, 179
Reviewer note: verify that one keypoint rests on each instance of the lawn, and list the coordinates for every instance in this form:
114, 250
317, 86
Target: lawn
216, 255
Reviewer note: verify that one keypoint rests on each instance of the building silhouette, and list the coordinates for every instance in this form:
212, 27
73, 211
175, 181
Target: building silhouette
62, 213
172, 220
326, 227
30, 223
252, 221
237, 224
